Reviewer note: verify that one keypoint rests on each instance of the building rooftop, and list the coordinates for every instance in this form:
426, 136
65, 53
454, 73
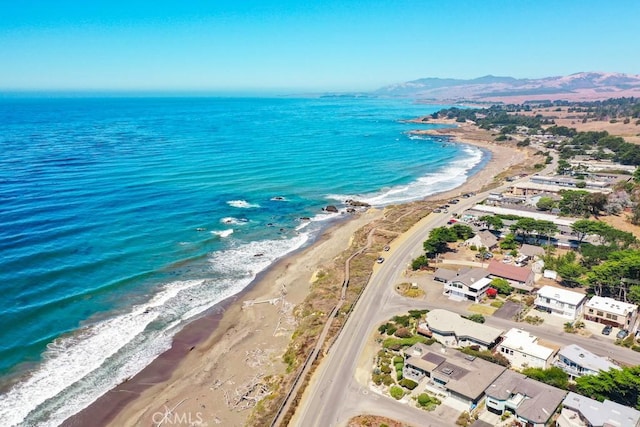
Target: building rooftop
446, 321
466, 375
523, 341
470, 276
511, 272
531, 250
586, 359
611, 305
524, 213
538, 401
605, 413
563, 295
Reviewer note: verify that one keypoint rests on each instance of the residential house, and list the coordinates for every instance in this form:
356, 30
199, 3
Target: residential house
531, 251
609, 311
520, 278
452, 330
523, 350
483, 238
467, 284
460, 376
576, 362
533, 403
561, 302
580, 411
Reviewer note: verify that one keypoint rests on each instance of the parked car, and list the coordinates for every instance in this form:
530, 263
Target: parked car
380, 260
487, 255
386, 248
607, 330
438, 210
622, 334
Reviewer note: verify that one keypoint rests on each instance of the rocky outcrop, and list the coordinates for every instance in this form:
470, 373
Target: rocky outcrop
356, 203
331, 209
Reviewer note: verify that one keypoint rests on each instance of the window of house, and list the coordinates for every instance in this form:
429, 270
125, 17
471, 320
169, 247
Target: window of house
591, 311
600, 313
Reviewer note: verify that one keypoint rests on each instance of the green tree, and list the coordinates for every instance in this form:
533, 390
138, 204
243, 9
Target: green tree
462, 231
563, 167
574, 202
553, 376
420, 262
502, 286
509, 242
546, 203
492, 221
478, 318
396, 392
619, 385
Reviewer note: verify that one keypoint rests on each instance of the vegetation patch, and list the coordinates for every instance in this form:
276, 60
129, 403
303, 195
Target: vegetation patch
482, 309
409, 290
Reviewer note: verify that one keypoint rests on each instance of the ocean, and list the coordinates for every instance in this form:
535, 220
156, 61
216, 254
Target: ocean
123, 218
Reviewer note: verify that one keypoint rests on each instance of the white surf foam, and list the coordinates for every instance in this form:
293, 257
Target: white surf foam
223, 233
233, 221
69, 359
78, 369
447, 178
242, 204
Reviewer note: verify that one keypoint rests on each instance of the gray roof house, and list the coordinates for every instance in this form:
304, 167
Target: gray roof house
460, 376
532, 402
580, 411
470, 283
576, 362
483, 238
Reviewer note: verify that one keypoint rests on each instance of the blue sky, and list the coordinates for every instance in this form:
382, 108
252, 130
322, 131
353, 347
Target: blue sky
294, 46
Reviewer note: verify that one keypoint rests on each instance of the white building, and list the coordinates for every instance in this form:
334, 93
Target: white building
452, 330
469, 284
576, 362
560, 302
523, 351
612, 312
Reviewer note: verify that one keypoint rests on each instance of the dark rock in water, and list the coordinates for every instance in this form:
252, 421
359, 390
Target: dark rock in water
270, 224
351, 210
331, 208
259, 255
305, 218
201, 229
277, 198
356, 203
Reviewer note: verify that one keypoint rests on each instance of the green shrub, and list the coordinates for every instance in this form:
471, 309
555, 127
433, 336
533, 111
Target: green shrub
403, 333
383, 328
478, 318
377, 378
387, 380
385, 369
396, 392
391, 329
398, 343
399, 366
416, 314
428, 402
407, 383
497, 304
399, 375
398, 359
402, 320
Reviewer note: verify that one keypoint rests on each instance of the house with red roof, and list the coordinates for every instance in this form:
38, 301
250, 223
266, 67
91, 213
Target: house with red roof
521, 278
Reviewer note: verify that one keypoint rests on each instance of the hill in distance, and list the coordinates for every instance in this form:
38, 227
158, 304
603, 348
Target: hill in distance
575, 87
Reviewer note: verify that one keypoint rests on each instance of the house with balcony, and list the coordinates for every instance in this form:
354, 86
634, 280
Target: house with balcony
453, 330
524, 351
467, 284
580, 411
483, 239
561, 302
609, 311
533, 403
576, 362
458, 375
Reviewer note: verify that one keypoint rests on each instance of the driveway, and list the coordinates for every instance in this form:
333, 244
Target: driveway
508, 311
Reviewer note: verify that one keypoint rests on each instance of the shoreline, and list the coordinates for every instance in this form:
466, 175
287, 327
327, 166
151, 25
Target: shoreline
214, 355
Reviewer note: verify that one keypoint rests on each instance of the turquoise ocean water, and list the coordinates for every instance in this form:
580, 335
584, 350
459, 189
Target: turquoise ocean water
120, 219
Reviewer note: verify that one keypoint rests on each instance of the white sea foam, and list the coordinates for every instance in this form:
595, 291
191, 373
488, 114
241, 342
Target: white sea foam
223, 233
78, 369
242, 204
452, 176
233, 221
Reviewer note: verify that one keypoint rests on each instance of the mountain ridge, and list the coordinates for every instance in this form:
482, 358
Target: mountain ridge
589, 85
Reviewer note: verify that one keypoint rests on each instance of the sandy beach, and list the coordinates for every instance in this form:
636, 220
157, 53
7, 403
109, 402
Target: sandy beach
220, 355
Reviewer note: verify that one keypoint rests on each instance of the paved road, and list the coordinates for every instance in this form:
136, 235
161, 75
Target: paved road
334, 395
